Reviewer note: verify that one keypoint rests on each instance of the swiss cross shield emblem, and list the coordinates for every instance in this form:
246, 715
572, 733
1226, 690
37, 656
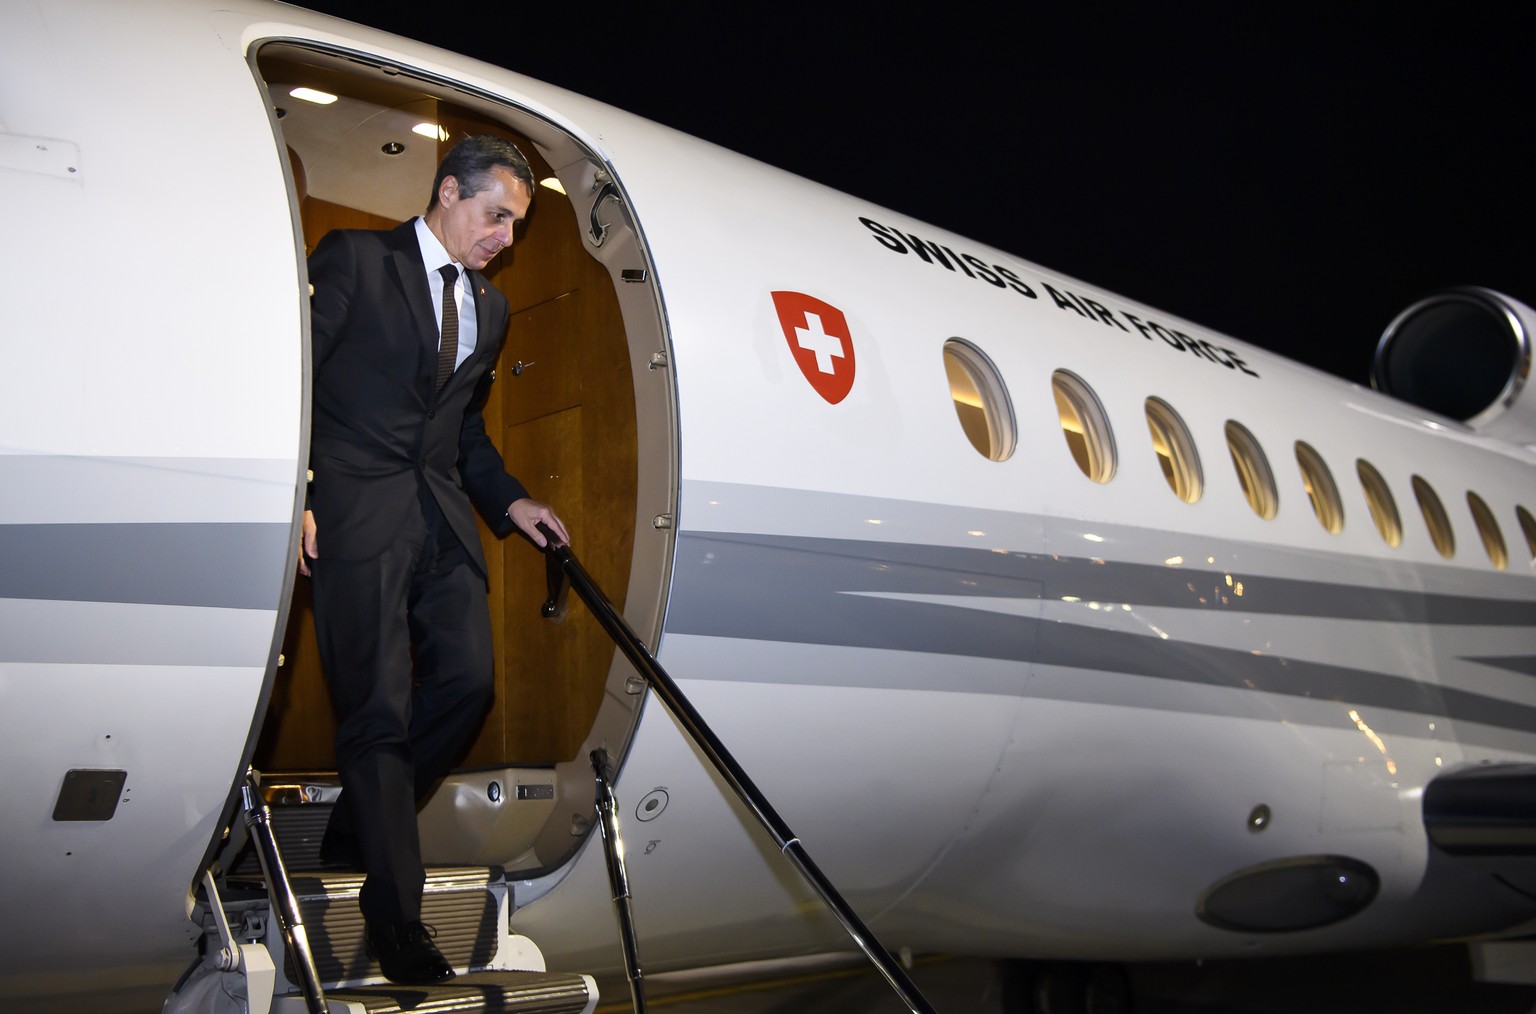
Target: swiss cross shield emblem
819, 340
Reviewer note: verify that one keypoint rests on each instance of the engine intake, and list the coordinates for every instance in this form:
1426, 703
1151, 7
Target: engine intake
1463, 353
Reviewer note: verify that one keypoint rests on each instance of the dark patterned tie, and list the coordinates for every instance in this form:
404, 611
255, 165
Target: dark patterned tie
448, 349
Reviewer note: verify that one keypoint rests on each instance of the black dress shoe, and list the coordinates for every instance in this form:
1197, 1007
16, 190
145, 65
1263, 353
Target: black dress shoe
406, 954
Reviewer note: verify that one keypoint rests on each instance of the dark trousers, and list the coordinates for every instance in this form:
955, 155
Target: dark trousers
405, 639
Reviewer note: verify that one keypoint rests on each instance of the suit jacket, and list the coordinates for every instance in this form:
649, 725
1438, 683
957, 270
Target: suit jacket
378, 430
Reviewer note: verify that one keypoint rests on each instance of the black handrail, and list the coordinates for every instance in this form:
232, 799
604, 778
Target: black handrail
559, 560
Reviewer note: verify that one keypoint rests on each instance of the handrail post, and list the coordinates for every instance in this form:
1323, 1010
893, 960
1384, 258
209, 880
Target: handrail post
618, 879
693, 723
285, 906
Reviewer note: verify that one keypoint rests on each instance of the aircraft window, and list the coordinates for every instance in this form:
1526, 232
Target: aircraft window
1383, 507
981, 400
1175, 450
1488, 528
1528, 526
1253, 470
1321, 489
1084, 425
1435, 518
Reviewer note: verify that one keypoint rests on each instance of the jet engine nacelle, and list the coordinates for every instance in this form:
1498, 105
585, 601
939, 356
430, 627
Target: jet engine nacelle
1464, 353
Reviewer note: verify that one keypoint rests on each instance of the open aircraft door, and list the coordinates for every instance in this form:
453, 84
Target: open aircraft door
581, 410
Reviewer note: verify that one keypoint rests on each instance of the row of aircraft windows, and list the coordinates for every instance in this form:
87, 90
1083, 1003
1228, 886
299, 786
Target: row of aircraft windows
986, 415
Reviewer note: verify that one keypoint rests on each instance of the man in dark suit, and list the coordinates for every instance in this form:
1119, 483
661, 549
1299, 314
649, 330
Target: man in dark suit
405, 335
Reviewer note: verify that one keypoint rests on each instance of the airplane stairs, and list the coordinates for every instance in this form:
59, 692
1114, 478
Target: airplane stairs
468, 907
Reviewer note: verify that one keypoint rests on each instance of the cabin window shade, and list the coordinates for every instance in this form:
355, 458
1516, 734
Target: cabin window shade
1488, 530
1322, 491
1175, 450
1378, 496
1084, 425
1253, 471
980, 399
1435, 518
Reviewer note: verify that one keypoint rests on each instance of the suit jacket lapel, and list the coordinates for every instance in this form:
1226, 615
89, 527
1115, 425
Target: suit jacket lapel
484, 314
486, 343
411, 275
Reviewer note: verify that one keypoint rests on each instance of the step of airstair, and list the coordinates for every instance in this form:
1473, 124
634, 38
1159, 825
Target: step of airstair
458, 903
522, 992
466, 907
299, 826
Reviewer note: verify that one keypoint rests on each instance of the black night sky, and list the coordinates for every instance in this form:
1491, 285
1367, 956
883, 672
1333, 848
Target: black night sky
1293, 179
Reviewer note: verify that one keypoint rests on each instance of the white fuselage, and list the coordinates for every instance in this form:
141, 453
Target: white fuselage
1008, 709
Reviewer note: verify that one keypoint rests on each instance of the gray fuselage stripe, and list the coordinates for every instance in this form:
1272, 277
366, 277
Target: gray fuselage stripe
798, 591
1523, 664
232, 566
981, 572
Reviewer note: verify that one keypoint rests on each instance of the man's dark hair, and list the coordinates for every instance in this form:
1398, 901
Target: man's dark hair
473, 159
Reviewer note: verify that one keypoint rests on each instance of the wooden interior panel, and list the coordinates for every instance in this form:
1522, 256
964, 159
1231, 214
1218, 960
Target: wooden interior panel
568, 428
300, 729
536, 658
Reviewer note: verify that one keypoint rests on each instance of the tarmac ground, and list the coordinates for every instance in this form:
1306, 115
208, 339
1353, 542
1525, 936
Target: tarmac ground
1431, 980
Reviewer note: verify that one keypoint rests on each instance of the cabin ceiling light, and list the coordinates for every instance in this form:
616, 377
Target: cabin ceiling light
552, 183
314, 95
431, 130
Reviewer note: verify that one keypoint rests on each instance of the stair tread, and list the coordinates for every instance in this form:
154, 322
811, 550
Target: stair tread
524, 992
339, 882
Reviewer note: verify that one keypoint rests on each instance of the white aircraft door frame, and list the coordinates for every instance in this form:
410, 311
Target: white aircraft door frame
598, 195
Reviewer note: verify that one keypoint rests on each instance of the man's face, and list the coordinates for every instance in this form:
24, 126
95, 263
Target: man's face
475, 229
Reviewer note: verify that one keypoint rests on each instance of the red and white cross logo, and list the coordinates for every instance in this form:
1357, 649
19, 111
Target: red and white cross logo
820, 341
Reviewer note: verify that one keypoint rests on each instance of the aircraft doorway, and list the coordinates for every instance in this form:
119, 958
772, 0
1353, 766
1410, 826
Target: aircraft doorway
577, 411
